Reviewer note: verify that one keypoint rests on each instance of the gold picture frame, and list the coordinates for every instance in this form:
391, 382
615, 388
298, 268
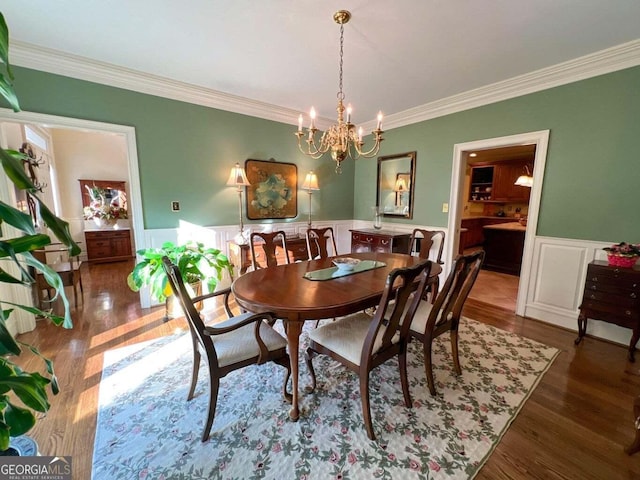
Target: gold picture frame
273, 192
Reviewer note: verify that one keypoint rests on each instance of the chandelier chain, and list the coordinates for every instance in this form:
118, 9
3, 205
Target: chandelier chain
340, 93
343, 140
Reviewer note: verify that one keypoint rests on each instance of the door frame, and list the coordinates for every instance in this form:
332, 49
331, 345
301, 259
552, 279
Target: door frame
541, 140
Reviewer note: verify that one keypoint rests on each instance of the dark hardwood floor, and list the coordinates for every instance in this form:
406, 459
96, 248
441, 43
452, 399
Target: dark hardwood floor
574, 426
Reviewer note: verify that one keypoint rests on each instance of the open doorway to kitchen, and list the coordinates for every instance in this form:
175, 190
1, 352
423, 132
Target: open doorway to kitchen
494, 203
497, 186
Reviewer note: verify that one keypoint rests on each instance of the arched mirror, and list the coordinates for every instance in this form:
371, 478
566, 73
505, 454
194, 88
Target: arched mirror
396, 184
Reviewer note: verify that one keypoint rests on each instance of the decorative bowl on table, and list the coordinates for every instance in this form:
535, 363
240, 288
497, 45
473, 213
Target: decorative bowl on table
345, 264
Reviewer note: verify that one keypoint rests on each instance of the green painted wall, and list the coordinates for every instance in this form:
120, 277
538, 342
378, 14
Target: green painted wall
592, 176
185, 151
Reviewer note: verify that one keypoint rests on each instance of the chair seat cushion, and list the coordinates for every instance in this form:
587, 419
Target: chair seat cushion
419, 322
241, 344
346, 336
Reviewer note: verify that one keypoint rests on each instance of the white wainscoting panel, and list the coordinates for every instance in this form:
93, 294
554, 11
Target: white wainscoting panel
557, 282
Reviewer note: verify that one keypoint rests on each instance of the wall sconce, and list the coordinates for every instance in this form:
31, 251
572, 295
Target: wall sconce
310, 184
525, 180
238, 179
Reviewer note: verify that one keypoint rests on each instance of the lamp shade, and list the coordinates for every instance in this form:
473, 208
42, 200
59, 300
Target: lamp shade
524, 181
311, 181
237, 177
401, 185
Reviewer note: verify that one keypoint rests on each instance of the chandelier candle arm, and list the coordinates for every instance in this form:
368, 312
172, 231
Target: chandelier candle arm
341, 139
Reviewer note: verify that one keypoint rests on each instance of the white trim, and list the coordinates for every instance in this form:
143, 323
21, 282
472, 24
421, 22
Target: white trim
612, 59
541, 140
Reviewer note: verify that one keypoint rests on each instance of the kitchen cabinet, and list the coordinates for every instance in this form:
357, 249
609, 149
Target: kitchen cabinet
108, 245
379, 241
611, 295
504, 187
503, 246
496, 182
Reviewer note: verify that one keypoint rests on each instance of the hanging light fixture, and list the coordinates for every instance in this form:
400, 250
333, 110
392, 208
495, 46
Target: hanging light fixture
525, 180
341, 139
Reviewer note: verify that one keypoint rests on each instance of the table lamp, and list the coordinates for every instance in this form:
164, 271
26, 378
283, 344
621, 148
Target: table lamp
238, 179
310, 184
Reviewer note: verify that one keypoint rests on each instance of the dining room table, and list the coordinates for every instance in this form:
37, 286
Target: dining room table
315, 290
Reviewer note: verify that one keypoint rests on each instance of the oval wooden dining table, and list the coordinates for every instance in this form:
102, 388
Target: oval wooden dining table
284, 291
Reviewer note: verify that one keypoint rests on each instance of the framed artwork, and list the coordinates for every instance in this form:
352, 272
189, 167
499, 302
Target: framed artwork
273, 192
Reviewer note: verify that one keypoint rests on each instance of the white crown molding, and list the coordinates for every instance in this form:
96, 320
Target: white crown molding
616, 58
74, 66
612, 59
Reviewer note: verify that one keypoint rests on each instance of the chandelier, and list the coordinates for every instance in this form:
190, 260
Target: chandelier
341, 139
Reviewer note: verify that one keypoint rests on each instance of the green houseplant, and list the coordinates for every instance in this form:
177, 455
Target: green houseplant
196, 263
23, 394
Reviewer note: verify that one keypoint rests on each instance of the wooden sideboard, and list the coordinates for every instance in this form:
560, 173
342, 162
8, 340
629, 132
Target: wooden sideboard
240, 255
108, 245
379, 241
611, 295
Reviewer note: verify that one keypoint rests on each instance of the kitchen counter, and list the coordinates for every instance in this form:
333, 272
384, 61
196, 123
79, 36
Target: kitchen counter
512, 226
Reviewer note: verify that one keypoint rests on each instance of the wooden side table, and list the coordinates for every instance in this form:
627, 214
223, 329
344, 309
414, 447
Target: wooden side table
383, 241
611, 295
240, 255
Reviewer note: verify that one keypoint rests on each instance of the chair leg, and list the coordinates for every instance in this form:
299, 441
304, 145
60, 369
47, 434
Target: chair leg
75, 295
402, 360
195, 370
213, 400
428, 366
366, 407
308, 357
454, 352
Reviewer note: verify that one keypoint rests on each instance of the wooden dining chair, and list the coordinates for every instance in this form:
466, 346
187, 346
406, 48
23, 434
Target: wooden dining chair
433, 319
318, 241
237, 342
425, 239
361, 343
68, 268
264, 248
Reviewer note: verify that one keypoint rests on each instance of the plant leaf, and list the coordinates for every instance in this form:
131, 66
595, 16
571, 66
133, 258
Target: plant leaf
13, 168
30, 389
16, 218
59, 227
4, 45
7, 91
7, 343
20, 419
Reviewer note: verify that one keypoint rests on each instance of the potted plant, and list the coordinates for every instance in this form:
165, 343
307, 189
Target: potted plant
623, 254
23, 394
197, 264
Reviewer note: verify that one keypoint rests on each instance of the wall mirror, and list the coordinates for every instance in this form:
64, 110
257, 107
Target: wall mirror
396, 182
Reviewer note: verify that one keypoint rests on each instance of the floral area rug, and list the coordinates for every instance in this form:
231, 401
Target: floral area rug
147, 430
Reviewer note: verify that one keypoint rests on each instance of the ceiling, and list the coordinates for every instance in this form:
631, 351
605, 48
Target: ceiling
284, 53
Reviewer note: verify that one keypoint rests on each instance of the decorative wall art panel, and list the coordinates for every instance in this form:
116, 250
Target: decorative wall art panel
273, 189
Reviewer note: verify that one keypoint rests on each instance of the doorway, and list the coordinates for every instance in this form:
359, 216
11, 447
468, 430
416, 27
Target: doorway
23, 323
540, 140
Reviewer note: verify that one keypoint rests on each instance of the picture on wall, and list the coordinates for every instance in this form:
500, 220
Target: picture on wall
273, 189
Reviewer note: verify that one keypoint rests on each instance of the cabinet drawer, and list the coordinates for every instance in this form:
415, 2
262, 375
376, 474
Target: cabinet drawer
362, 238
611, 288
629, 299
611, 310
99, 252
